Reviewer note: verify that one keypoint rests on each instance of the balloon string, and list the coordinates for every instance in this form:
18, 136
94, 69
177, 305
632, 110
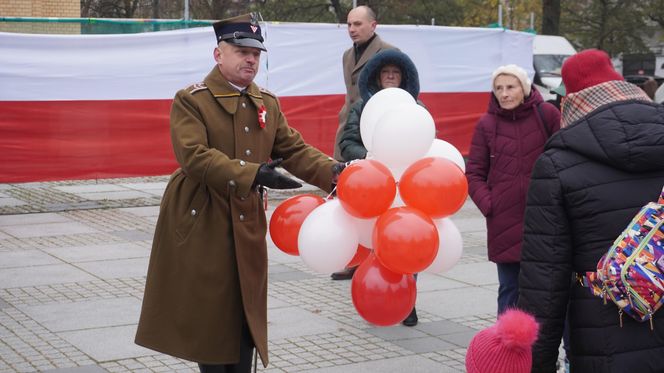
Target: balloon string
332, 194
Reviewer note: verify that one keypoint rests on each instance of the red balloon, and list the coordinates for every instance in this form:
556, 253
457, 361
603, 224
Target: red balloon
366, 188
434, 185
381, 296
287, 220
405, 240
361, 254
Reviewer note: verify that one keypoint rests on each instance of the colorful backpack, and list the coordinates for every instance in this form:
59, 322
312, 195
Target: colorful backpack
631, 273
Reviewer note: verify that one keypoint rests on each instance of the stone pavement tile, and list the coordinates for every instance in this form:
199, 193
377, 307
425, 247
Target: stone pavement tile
276, 256
29, 219
6, 186
77, 254
424, 344
46, 229
442, 327
484, 273
290, 322
142, 211
91, 188
4, 236
133, 235
403, 364
279, 272
10, 201
109, 269
26, 258
107, 344
41, 275
84, 369
145, 186
470, 223
460, 339
4, 304
458, 302
85, 314
273, 303
392, 333
432, 282
115, 195
290, 276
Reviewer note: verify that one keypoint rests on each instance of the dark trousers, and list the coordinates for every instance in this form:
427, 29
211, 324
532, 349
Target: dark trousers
243, 366
508, 285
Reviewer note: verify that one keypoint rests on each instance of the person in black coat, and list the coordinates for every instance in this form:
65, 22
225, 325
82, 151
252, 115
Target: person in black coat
594, 176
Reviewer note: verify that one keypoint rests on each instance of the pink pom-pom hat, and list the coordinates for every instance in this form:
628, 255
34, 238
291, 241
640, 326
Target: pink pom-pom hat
504, 347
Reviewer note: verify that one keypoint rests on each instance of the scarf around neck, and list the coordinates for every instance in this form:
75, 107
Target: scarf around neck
577, 105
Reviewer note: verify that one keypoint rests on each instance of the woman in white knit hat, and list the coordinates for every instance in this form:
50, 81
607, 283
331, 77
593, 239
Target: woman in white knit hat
506, 142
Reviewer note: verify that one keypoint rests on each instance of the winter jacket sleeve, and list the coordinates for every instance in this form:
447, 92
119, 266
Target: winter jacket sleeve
351, 145
477, 169
546, 262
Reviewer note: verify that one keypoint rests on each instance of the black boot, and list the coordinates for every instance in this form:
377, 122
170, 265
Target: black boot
411, 320
346, 274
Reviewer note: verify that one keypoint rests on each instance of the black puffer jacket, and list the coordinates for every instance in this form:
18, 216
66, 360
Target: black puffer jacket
586, 187
351, 145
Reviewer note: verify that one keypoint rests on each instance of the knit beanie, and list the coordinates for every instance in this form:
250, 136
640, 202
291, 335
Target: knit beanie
586, 69
504, 347
515, 71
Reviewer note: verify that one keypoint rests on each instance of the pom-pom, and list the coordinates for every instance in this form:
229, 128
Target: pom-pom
517, 329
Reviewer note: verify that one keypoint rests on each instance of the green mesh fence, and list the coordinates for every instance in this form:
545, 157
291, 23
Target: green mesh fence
41, 25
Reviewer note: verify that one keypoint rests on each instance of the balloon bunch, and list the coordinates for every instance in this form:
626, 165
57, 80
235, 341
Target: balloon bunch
391, 214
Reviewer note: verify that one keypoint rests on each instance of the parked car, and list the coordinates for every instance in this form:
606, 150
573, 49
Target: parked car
549, 53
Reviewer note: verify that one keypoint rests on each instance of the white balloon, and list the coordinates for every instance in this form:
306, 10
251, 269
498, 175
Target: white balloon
378, 104
443, 149
402, 136
365, 230
450, 247
328, 238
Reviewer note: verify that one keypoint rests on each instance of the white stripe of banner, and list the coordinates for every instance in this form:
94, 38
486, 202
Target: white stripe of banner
304, 59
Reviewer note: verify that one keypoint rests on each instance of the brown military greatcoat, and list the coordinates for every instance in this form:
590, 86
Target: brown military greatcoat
209, 257
351, 75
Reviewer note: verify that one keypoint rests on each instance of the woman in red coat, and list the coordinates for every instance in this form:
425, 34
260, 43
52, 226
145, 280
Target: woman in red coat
506, 142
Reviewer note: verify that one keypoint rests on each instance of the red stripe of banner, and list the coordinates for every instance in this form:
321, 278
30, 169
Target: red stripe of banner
60, 140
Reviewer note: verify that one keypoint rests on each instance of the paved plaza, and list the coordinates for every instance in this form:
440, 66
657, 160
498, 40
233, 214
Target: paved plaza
73, 260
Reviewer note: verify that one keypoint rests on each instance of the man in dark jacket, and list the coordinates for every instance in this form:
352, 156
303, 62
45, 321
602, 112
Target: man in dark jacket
596, 173
366, 43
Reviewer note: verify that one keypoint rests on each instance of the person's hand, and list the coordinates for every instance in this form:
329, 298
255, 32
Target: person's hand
336, 171
267, 176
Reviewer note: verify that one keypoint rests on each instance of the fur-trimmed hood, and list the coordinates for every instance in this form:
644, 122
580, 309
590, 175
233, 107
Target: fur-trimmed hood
368, 82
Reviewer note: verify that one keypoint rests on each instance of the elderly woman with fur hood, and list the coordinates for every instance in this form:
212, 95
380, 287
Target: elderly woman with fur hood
387, 69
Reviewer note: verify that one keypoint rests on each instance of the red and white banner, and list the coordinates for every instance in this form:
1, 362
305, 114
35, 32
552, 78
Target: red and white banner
97, 106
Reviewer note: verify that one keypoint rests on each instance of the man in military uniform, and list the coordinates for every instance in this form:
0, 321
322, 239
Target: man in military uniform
206, 289
366, 43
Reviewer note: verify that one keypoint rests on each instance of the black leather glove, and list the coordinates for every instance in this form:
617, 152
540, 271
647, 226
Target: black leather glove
336, 171
267, 176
